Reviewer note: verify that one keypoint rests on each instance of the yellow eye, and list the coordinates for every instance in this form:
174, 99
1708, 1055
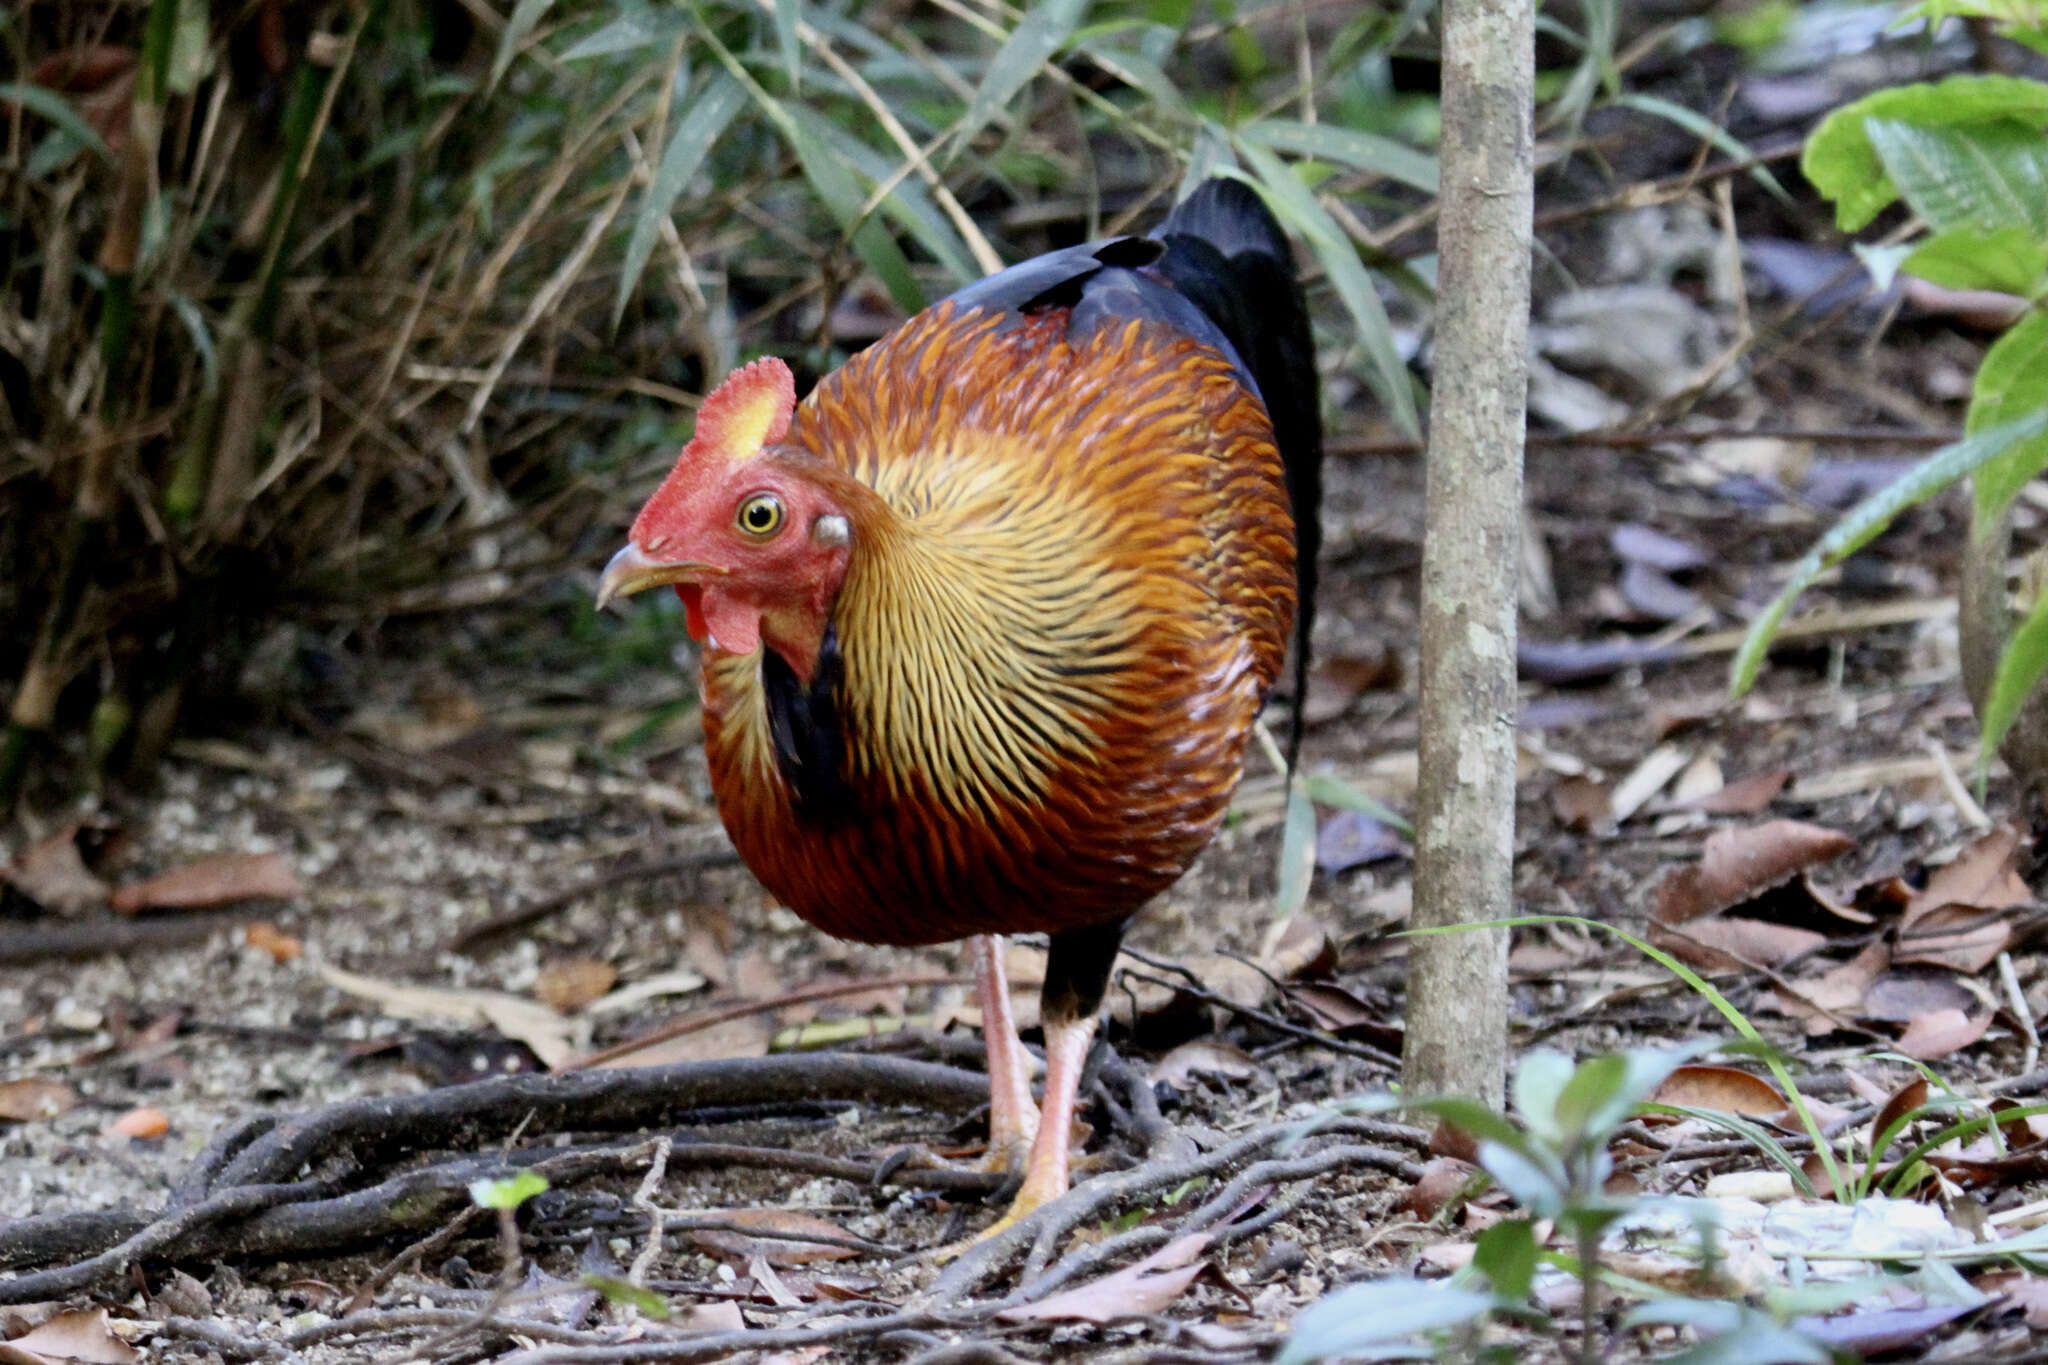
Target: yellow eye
760, 515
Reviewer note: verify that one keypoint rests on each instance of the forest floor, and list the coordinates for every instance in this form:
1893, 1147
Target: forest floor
498, 771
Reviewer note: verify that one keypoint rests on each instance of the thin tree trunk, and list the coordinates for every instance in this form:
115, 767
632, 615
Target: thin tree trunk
1457, 983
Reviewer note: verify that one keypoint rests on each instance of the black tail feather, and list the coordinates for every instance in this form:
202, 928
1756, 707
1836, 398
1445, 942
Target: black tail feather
1227, 255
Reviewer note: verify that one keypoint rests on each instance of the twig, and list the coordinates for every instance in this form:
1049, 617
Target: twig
102, 934
2021, 1011
521, 916
1363, 1051
1620, 439
740, 1009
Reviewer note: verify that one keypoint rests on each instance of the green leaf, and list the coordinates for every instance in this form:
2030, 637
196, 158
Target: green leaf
1705, 129
1533, 1184
1593, 1100
626, 1294
1987, 176
1291, 202
191, 48
1506, 1254
1327, 790
1044, 27
56, 109
1843, 165
2010, 260
2012, 385
628, 33
1297, 853
1361, 151
509, 1192
1864, 522
1754, 1134
2019, 670
525, 15
788, 14
841, 194
1360, 1317
1540, 1078
703, 122
1141, 73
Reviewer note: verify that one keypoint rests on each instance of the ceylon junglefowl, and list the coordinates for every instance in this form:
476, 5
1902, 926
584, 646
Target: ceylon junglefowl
988, 617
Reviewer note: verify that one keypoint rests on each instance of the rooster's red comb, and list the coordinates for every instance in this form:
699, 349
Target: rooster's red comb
748, 411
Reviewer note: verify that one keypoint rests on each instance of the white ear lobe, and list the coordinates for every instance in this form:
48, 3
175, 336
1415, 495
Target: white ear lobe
831, 531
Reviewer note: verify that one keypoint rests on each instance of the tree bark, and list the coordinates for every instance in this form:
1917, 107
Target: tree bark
1457, 983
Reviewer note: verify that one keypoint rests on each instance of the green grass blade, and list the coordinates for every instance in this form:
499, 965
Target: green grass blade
1294, 204
1297, 853
704, 121
1692, 121
1327, 790
56, 109
1044, 28
525, 15
1867, 520
1754, 1134
788, 14
1347, 146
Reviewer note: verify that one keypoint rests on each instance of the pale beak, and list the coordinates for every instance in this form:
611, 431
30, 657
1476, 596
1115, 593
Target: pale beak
633, 570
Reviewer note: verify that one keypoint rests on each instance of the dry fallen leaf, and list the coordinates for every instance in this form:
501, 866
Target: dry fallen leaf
218, 880
83, 1336
53, 875
140, 1124
1304, 948
1581, 803
1951, 923
1743, 796
574, 982
281, 946
2029, 1293
35, 1097
1144, 1287
784, 1249
722, 1316
1723, 1089
1444, 1178
1182, 1067
1736, 868
528, 1021
1936, 1035
1836, 994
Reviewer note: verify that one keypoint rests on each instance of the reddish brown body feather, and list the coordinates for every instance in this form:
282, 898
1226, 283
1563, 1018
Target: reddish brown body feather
1070, 589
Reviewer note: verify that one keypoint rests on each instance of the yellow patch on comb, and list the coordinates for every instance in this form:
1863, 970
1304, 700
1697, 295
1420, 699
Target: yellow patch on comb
748, 411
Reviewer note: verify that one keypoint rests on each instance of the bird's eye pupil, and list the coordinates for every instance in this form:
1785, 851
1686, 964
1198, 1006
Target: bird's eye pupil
760, 515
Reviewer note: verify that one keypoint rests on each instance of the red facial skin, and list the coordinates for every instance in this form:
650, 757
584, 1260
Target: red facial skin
779, 587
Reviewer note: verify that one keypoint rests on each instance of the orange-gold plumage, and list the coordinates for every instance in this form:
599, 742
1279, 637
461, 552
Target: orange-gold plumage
988, 617
1069, 594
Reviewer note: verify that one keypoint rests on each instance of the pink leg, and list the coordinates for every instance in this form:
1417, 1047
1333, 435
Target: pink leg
1045, 1175
1012, 1118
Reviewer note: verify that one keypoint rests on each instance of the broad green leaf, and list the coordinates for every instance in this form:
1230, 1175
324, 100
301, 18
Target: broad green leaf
1843, 165
2019, 671
1863, 523
2010, 260
1705, 129
1297, 853
1038, 35
1987, 176
1593, 1099
705, 119
525, 15
52, 154
2012, 385
509, 1192
1360, 1317
54, 107
1506, 1254
2023, 21
1293, 204
1361, 151
1541, 1191
628, 33
1327, 790
1540, 1078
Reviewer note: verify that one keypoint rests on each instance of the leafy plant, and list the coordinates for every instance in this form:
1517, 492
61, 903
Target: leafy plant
1969, 158
1552, 1157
